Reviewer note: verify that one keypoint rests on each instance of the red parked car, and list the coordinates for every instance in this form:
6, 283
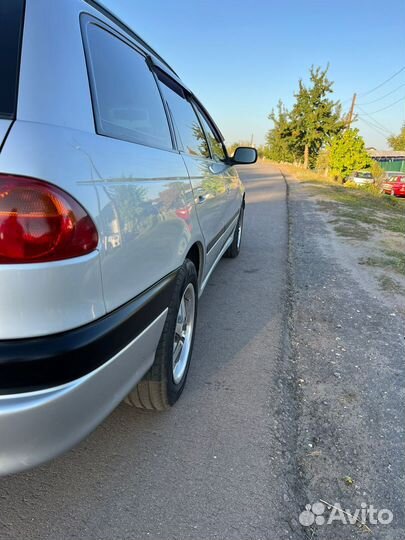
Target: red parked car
395, 186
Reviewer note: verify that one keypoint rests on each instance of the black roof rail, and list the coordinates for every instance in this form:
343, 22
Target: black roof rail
116, 20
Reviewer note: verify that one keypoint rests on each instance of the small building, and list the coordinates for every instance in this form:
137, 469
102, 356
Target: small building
390, 160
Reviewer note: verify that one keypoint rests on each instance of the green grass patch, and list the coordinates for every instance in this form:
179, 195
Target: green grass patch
395, 224
393, 260
362, 216
352, 230
388, 284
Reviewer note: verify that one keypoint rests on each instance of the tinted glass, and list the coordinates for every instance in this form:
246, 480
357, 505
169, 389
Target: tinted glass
125, 94
11, 20
188, 128
217, 148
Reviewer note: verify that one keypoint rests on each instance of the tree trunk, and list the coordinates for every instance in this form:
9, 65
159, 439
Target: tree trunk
306, 156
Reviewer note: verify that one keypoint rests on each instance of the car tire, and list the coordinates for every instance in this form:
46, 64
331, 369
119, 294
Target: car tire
163, 384
234, 249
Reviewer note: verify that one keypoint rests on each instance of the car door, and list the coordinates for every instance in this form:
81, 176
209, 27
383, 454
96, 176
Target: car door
233, 187
206, 174
142, 183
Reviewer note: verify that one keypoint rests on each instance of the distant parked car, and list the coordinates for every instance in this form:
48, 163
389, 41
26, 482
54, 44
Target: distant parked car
395, 186
390, 174
361, 178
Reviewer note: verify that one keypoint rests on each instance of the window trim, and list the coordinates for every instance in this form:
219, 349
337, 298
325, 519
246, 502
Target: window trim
200, 111
13, 114
86, 20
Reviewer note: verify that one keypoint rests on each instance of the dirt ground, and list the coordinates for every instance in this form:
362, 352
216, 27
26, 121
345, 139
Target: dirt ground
347, 348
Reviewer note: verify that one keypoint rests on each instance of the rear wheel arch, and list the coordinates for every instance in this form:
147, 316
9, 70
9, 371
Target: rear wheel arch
196, 255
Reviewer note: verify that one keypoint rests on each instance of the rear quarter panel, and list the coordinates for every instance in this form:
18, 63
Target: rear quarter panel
147, 214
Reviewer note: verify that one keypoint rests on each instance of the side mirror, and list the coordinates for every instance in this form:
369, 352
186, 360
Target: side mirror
244, 155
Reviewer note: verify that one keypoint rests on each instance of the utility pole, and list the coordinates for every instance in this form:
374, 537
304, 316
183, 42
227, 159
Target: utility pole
351, 112
251, 141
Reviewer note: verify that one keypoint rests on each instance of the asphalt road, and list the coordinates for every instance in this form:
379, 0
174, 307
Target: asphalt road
216, 465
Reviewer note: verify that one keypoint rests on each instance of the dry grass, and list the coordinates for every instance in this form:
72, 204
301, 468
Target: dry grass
365, 215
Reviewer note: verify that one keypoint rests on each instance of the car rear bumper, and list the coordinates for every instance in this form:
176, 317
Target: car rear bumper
55, 389
39, 425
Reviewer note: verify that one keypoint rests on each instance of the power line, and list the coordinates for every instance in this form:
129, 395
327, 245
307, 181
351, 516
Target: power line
373, 127
384, 82
388, 106
384, 96
374, 120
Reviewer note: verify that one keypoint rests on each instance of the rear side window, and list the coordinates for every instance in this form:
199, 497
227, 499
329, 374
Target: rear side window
188, 129
11, 23
126, 98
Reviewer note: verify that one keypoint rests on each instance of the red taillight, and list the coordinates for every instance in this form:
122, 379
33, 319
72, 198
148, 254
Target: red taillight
40, 222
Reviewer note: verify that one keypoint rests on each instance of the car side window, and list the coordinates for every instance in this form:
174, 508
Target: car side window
126, 98
190, 135
215, 142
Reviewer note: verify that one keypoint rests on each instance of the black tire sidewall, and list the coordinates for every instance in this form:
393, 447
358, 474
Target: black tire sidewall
234, 250
240, 220
187, 274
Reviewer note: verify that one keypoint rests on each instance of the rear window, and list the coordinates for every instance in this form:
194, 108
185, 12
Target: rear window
11, 22
126, 97
364, 175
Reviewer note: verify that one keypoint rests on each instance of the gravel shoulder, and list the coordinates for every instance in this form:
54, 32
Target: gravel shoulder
348, 346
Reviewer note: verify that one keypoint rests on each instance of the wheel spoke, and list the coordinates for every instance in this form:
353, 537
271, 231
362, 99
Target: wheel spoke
183, 333
179, 329
177, 350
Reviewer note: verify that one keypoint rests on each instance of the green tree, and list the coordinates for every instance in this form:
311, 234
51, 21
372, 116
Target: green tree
347, 153
262, 151
323, 160
278, 139
232, 147
315, 118
397, 142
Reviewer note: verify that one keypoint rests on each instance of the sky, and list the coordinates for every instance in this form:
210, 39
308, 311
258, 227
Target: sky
241, 57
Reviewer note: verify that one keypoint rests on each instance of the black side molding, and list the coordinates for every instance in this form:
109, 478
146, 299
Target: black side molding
43, 362
221, 232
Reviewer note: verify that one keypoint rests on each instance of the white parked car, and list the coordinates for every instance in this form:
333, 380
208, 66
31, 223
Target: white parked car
117, 200
361, 178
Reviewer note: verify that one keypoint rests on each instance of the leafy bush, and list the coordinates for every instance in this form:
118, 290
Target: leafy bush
373, 189
350, 185
377, 171
348, 154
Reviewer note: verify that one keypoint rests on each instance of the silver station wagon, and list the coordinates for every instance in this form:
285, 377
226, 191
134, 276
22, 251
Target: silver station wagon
117, 200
